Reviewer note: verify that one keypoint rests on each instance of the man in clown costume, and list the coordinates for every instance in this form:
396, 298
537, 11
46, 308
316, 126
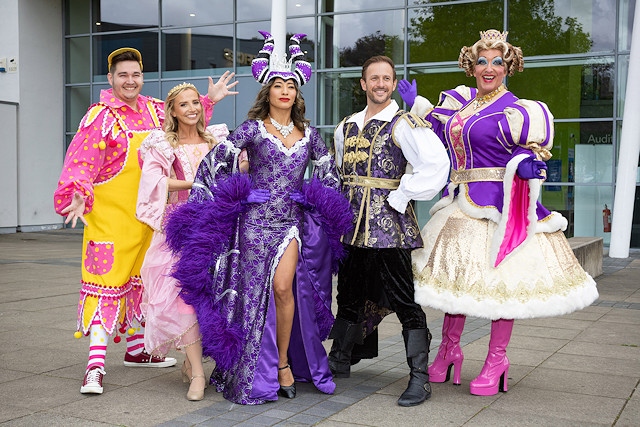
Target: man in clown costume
99, 186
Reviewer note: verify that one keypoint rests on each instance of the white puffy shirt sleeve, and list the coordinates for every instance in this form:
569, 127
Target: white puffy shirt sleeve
429, 165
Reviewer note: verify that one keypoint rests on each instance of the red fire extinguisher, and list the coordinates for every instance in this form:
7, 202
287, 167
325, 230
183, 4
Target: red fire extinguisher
606, 219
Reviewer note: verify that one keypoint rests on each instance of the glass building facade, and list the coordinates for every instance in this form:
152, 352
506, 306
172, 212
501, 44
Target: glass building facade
576, 61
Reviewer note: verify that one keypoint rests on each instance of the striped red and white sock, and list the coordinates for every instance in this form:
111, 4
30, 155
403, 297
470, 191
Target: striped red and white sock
98, 340
135, 342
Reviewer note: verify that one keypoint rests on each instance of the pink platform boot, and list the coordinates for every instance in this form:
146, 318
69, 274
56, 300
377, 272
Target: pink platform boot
495, 372
449, 354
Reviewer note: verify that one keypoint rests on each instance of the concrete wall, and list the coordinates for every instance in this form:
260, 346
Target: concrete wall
9, 96
8, 166
31, 115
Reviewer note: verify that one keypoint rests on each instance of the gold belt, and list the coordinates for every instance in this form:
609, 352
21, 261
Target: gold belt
365, 181
477, 174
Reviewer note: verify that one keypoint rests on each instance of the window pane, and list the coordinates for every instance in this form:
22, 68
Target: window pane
589, 204
431, 81
343, 5
253, 9
77, 16
351, 39
594, 153
437, 33
78, 60
248, 44
97, 88
116, 15
145, 42
300, 7
623, 73
190, 52
627, 11
342, 96
244, 101
572, 89
77, 102
570, 26
196, 12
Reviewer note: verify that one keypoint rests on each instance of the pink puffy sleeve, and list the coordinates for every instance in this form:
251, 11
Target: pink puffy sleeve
158, 156
219, 131
207, 105
84, 159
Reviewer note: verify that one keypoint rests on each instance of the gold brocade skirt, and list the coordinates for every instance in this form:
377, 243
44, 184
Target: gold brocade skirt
453, 272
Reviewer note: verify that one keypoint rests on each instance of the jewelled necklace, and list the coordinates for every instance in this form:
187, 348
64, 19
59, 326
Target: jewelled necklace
481, 100
285, 131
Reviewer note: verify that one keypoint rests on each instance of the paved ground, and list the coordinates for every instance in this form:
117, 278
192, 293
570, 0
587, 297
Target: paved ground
577, 370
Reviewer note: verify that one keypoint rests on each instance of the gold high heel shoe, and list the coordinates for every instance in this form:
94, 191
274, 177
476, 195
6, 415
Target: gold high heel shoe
199, 393
186, 372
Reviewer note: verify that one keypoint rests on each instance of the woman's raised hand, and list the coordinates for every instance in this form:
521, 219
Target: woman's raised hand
220, 89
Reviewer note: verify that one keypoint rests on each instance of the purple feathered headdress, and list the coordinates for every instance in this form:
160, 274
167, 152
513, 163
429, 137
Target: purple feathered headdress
267, 65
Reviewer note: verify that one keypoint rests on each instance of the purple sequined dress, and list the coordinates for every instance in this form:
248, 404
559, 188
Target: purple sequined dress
238, 295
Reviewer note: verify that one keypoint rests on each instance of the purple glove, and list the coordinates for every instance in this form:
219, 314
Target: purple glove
257, 196
408, 91
530, 168
299, 197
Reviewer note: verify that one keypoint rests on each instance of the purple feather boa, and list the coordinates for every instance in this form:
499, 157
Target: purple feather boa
324, 316
335, 216
198, 233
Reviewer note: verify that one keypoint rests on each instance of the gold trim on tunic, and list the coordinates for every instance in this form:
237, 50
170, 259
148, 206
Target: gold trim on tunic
369, 182
477, 174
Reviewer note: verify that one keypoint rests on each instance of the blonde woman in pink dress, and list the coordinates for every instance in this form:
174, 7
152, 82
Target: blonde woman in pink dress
170, 160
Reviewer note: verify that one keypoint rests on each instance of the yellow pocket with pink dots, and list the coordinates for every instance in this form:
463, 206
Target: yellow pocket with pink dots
98, 257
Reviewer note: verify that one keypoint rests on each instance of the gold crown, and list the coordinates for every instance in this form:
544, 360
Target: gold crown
493, 36
181, 86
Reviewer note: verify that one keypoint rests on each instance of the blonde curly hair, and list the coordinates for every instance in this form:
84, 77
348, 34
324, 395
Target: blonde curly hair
491, 39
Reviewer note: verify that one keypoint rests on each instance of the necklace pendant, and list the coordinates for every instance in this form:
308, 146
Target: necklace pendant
285, 131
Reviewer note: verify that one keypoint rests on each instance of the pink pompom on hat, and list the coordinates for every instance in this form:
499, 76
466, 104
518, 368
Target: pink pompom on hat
267, 66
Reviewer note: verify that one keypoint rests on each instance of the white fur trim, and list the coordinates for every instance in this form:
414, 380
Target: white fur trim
557, 305
421, 106
553, 222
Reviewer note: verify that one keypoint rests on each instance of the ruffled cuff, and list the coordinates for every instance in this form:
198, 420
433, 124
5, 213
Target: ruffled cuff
398, 201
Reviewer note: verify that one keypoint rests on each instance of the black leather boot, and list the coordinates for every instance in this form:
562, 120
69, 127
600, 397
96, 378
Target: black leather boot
344, 335
416, 342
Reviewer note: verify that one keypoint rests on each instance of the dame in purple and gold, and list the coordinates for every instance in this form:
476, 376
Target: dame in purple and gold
492, 250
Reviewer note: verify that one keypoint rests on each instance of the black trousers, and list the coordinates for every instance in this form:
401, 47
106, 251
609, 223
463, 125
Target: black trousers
383, 276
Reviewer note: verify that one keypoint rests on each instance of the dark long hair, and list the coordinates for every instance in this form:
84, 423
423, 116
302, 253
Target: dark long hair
260, 109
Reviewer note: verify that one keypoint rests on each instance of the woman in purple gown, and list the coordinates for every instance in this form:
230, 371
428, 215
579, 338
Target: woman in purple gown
257, 251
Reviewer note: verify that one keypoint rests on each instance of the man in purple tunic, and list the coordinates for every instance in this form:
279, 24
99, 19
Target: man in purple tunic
387, 157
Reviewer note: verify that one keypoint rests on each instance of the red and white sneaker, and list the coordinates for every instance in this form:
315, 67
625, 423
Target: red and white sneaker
146, 360
92, 382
